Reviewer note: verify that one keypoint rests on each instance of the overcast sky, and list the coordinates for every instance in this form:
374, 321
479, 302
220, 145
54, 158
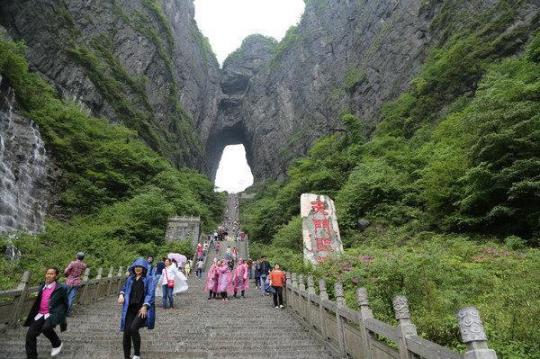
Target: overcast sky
226, 23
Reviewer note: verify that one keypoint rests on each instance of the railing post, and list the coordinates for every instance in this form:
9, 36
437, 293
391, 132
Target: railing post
98, 285
19, 306
301, 302
340, 303
323, 295
301, 285
364, 313
310, 295
287, 288
294, 292
119, 279
109, 281
86, 275
473, 334
405, 327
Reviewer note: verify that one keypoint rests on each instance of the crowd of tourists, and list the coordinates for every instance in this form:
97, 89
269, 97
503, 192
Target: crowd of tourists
227, 277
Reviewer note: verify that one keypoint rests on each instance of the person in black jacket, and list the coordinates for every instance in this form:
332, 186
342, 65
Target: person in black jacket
48, 311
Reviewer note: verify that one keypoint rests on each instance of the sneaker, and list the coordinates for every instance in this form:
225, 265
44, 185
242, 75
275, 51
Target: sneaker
281, 306
277, 307
136, 357
57, 350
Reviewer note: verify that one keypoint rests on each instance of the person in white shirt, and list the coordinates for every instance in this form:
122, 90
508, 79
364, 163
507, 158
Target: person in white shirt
172, 281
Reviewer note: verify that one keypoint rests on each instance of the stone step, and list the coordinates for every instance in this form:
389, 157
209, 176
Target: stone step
197, 328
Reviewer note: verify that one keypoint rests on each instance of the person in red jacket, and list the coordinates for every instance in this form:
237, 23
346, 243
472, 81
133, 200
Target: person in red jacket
73, 273
277, 281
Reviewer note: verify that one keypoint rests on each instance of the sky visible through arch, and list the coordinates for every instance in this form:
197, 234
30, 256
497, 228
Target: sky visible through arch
226, 23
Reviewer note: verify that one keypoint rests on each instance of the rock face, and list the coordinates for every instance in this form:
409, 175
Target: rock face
24, 168
344, 56
143, 63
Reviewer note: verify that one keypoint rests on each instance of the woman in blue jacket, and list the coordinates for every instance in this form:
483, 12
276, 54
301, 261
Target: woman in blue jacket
138, 309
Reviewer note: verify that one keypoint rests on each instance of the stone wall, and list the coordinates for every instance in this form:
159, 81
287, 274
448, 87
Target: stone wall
183, 228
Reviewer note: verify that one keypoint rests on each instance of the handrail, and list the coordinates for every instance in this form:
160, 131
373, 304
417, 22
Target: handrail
357, 334
90, 291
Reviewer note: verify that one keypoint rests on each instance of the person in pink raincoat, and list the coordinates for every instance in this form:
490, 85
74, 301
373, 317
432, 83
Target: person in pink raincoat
199, 250
212, 280
240, 278
224, 279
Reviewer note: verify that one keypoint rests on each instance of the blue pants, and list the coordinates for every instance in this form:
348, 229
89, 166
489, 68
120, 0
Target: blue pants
167, 294
263, 284
72, 294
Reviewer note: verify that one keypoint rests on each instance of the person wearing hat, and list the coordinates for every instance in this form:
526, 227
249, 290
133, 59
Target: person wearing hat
137, 298
73, 274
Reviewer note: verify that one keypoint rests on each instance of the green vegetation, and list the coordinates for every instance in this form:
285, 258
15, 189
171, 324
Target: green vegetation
288, 41
450, 183
115, 191
353, 77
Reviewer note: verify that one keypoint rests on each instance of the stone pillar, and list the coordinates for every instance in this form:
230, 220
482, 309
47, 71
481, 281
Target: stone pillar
310, 295
294, 295
301, 302
286, 293
109, 281
472, 334
97, 287
405, 327
119, 279
300, 283
320, 229
19, 305
323, 295
364, 313
84, 293
340, 303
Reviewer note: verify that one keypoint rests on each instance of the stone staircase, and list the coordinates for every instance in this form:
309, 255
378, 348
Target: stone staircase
197, 328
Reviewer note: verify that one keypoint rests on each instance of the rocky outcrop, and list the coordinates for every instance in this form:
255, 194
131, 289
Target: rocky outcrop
24, 168
145, 64
344, 56
142, 63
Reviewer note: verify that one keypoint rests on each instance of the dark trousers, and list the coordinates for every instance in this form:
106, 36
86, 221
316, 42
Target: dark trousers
224, 295
278, 296
36, 328
198, 272
131, 332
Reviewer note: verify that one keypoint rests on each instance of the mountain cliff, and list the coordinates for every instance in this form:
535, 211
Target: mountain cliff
144, 64
347, 56
141, 63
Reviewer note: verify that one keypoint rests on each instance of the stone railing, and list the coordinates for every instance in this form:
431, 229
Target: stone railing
16, 303
357, 334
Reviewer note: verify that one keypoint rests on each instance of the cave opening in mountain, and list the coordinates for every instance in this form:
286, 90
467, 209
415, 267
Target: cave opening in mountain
234, 173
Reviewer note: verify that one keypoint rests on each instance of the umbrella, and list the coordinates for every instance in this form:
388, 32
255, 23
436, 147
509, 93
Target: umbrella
179, 258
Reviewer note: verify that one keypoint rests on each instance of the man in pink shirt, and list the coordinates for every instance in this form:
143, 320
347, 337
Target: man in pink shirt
48, 311
73, 274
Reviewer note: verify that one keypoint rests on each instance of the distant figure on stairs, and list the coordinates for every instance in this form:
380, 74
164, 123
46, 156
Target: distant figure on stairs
224, 280
199, 250
138, 309
212, 280
240, 278
73, 274
264, 270
200, 266
48, 311
277, 282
